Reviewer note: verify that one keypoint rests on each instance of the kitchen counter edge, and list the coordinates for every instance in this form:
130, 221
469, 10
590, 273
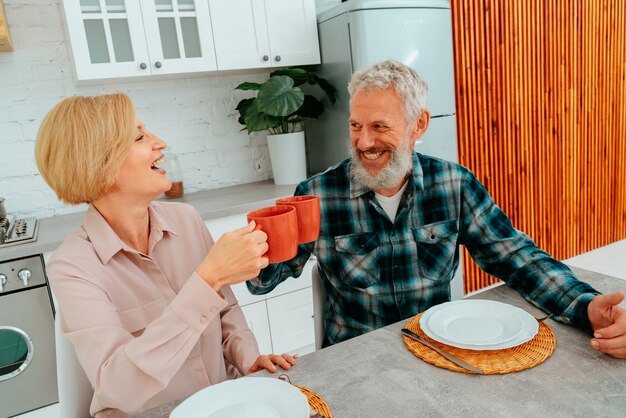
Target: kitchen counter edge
210, 204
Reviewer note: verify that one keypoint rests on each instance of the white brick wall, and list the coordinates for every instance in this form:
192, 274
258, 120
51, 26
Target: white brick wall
194, 115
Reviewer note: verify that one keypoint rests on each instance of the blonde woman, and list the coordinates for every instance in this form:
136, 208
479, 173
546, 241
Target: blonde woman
143, 290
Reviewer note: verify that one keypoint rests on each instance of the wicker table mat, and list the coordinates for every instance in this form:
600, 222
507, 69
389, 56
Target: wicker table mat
316, 401
514, 359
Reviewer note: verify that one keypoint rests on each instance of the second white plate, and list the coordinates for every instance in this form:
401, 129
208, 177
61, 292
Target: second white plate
247, 397
477, 324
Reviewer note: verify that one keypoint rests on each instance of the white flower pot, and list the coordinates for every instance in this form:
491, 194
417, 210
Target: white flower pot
288, 156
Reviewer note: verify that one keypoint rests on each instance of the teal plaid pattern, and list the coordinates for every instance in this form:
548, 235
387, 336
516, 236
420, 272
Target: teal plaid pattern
377, 272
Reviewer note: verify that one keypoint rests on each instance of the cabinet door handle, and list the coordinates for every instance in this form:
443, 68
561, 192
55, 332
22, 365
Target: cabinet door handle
277, 58
266, 58
157, 64
143, 66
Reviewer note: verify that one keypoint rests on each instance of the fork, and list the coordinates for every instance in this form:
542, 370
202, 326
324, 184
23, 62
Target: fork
543, 318
313, 413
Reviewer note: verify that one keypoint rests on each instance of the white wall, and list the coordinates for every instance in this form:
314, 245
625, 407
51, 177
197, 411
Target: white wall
194, 115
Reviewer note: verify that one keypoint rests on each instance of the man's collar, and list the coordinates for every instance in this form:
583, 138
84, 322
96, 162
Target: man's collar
416, 176
106, 242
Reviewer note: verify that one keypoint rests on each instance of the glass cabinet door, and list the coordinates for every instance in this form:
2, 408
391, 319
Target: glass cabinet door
179, 35
107, 38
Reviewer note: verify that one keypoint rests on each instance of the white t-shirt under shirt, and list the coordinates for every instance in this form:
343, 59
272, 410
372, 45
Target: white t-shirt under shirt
390, 204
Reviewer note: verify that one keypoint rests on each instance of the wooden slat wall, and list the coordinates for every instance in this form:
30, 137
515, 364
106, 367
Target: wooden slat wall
541, 108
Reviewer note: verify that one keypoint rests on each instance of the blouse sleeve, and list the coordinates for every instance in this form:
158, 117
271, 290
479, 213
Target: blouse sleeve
129, 363
126, 371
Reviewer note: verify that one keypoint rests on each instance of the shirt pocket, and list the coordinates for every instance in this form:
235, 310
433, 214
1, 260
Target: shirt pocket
358, 258
135, 320
436, 247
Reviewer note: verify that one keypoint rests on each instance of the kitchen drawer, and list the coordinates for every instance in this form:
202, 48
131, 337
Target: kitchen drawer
256, 317
291, 322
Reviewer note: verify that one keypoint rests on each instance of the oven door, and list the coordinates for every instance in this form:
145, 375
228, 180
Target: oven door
27, 351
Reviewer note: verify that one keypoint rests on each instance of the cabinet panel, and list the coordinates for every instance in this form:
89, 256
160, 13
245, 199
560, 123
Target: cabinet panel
244, 297
264, 33
292, 30
291, 322
219, 226
256, 317
242, 41
291, 284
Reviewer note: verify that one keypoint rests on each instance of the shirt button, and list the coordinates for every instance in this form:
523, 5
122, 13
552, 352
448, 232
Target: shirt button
396, 267
203, 319
213, 308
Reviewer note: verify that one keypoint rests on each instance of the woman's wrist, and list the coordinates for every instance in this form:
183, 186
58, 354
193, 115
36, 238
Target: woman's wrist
210, 279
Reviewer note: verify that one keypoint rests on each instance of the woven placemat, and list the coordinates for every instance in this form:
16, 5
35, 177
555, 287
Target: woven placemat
508, 360
316, 401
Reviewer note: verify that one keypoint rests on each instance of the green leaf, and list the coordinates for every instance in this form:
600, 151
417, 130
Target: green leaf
242, 107
248, 86
244, 104
299, 75
328, 89
278, 97
256, 121
311, 108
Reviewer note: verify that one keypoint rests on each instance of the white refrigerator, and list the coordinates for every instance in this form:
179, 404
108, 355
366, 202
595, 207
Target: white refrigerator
357, 33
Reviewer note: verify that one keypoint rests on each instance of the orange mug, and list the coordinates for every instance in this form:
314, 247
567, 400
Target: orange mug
281, 226
308, 214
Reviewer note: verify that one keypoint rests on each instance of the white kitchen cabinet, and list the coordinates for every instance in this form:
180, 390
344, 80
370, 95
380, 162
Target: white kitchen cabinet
291, 322
264, 33
288, 309
132, 38
256, 317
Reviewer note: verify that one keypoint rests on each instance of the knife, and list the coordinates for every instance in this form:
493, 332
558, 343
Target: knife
447, 355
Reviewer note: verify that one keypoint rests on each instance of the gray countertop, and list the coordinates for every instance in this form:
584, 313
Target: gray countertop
374, 375
210, 204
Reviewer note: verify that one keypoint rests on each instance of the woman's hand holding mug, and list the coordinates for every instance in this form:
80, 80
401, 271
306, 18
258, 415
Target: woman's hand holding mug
236, 257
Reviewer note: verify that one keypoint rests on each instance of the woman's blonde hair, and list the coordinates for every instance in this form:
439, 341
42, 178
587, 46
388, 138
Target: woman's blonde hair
81, 144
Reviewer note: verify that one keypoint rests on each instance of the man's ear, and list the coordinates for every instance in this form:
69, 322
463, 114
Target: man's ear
421, 124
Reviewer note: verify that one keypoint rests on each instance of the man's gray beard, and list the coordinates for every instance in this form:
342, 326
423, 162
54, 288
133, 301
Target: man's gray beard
393, 174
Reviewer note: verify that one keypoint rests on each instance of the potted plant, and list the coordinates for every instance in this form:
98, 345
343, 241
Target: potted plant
282, 104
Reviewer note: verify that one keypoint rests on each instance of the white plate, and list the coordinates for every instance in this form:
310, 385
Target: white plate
479, 324
247, 397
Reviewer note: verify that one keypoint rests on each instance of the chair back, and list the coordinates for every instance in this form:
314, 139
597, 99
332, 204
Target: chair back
319, 299
75, 391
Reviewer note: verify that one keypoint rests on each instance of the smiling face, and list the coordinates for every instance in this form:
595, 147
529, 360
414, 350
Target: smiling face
382, 139
140, 173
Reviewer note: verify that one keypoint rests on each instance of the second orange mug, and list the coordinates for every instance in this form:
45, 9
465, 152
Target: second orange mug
308, 213
281, 226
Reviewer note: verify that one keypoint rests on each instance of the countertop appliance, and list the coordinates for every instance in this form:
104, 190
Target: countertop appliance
28, 374
358, 33
14, 230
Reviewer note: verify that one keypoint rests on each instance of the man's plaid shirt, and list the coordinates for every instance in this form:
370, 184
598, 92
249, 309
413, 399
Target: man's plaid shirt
377, 272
